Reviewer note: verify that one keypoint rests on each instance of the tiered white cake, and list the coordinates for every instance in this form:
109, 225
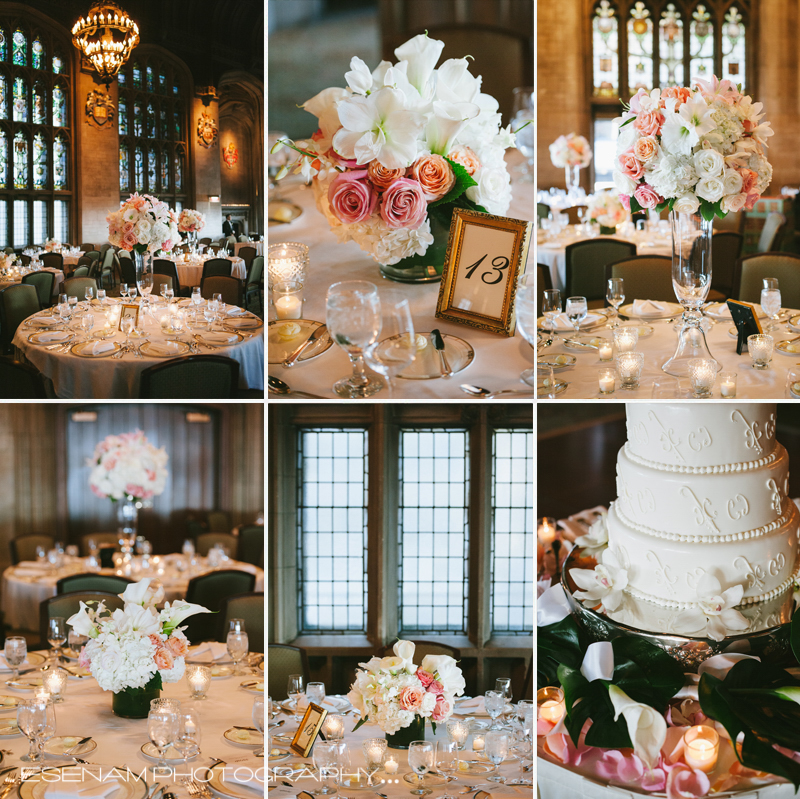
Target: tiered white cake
703, 491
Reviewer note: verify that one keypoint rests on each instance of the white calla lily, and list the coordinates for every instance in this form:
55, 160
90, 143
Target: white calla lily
171, 617
646, 727
405, 651
135, 618
454, 84
421, 53
142, 594
446, 123
598, 662
83, 623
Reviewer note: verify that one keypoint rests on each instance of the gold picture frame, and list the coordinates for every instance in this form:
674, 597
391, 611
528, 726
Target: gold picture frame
129, 310
308, 730
486, 255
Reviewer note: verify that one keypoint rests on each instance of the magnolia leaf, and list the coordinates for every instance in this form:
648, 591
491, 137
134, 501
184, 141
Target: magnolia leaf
645, 672
562, 642
463, 181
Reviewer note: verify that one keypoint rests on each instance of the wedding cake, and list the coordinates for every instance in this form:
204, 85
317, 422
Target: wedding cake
703, 538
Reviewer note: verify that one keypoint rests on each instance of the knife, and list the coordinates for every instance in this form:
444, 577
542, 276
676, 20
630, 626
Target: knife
321, 331
438, 345
78, 745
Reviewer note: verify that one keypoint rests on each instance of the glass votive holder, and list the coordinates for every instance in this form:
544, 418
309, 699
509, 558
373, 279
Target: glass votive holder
478, 742
760, 347
629, 369
547, 530
172, 705
458, 732
55, 683
550, 705
287, 297
605, 350
374, 749
626, 339
702, 375
727, 384
608, 381
333, 727
701, 748
199, 679
390, 764
793, 383
286, 261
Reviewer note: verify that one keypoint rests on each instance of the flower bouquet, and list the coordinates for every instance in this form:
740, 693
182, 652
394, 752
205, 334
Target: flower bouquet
52, 245
133, 651
398, 150
128, 467
191, 221
397, 695
571, 151
606, 209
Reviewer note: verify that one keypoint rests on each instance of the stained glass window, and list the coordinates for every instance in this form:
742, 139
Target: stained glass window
58, 64
122, 117
138, 169
137, 75
670, 36
150, 86
124, 168
39, 105
640, 49
59, 106
21, 178
178, 171
164, 121
3, 45
605, 39
39, 162
60, 149
20, 100
138, 124
701, 44
162, 82
164, 170
3, 97
121, 79
151, 170
3, 160
177, 118
152, 120
38, 53
39, 220
20, 48
733, 47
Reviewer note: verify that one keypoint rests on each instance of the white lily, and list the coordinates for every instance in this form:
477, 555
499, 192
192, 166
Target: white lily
421, 53
605, 583
714, 616
447, 121
454, 84
140, 593
646, 727
595, 541
135, 618
323, 106
380, 127
683, 128
359, 79
83, 623
180, 610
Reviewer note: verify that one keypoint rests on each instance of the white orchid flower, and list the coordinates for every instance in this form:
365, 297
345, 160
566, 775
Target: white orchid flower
446, 123
595, 541
83, 623
646, 727
378, 127
714, 616
180, 610
359, 79
605, 583
421, 53
140, 593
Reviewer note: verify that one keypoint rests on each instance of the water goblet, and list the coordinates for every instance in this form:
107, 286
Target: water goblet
32, 722
123, 290
187, 740
197, 297
75, 640
294, 690
398, 350
126, 325
325, 757
496, 750
771, 303
503, 685
132, 292
169, 294
236, 626
577, 310
615, 295
551, 308
238, 646
16, 650
495, 703
145, 284
101, 296
56, 635
73, 304
162, 727
315, 692
88, 294
421, 760
87, 323
162, 290
447, 757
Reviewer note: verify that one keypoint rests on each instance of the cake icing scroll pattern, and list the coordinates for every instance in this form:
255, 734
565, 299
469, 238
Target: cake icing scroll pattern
699, 440
755, 575
738, 507
776, 495
663, 574
669, 441
704, 514
693, 577
752, 435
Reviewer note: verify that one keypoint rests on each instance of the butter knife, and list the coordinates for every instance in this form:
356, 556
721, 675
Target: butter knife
321, 331
78, 745
438, 345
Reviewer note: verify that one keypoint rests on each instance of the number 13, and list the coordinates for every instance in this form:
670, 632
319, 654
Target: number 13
499, 264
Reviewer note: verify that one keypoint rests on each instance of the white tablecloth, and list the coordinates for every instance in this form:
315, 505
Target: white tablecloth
75, 377
72, 260
190, 273
498, 360
59, 279
26, 585
259, 245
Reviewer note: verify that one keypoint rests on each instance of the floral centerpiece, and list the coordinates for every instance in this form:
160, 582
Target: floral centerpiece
133, 651
52, 245
571, 153
606, 209
191, 221
399, 149
399, 696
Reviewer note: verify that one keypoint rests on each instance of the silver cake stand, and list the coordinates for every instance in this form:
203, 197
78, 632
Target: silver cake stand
770, 644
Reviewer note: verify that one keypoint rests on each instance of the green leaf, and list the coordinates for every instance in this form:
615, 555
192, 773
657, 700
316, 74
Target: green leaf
562, 642
645, 672
635, 205
360, 722
707, 210
794, 638
626, 122
662, 206
463, 181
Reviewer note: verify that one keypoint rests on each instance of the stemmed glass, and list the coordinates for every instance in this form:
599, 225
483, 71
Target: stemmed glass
294, 690
577, 309
354, 321
56, 635
771, 303
132, 293
197, 297
420, 758
374, 749
238, 646
32, 720
16, 650
258, 716
496, 750
87, 295
525, 308
326, 759
123, 290
615, 295
87, 323
522, 113
495, 703
162, 727
315, 692
187, 741
503, 686
398, 350
551, 308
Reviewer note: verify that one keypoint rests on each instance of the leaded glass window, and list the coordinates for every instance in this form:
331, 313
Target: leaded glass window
640, 49
178, 171
670, 36
39, 220
150, 86
162, 82
178, 121
164, 122
138, 169
38, 54
3, 164
59, 67
39, 105
20, 100
121, 78
3, 45
733, 47
21, 228
701, 44
137, 75
39, 165
605, 40
164, 170
152, 120
152, 170
138, 124
19, 48
122, 117
20, 161
3, 97
124, 168
61, 220
59, 106
60, 150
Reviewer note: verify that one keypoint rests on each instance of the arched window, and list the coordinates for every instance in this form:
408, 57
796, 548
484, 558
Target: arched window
152, 127
640, 48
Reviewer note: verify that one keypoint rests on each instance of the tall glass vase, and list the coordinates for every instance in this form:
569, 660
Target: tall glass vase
572, 175
128, 523
143, 262
691, 279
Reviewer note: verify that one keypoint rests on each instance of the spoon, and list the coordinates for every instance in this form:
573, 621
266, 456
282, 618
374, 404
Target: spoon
277, 386
479, 391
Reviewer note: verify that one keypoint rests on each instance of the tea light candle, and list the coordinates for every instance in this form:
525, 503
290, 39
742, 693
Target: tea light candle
702, 373
288, 308
550, 704
41, 694
458, 732
629, 368
626, 338
391, 766
55, 681
701, 748
608, 381
199, 678
333, 727
760, 348
374, 754
727, 386
606, 351
547, 530
478, 743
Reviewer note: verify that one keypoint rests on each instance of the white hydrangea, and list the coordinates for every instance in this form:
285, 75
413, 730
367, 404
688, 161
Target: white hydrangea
128, 466
387, 245
493, 191
121, 661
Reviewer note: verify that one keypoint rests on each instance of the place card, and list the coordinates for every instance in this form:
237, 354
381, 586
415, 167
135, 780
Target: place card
308, 730
486, 255
746, 320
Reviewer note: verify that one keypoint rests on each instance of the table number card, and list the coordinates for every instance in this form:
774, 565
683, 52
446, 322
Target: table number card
129, 310
746, 321
486, 255
309, 728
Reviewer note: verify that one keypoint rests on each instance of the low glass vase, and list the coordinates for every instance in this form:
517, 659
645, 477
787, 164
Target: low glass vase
403, 737
134, 703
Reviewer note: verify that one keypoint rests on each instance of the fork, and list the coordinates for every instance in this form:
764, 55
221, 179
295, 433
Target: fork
194, 789
10, 782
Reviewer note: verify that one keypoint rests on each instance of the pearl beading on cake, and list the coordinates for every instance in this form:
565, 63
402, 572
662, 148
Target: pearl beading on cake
725, 468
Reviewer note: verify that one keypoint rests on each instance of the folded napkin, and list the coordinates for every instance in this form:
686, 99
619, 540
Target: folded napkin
164, 348
99, 347
508, 791
208, 651
85, 789
329, 706
235, 311
476, 703
50, 336
221, 338
5, 667
563, 321
250, 774
42, 321
648, 307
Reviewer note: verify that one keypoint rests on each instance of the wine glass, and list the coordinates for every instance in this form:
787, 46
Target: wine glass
101, 296
197, 297
32, 722
162, 727
521, 115
126, 325
73, 303
132, 292
503, 685
615, 295
258, 716
162, 290
326, 759
398, 350
294, 690
187, 741
56, 635
354, 321
771, 303
88, 294
496, 749
169, 294
551, 307
576, 311
420, 758
238, 646
76, 641
525, 308
495, 703
123, 290
236, 626
87, 323
145, 284
315, 692
16, 650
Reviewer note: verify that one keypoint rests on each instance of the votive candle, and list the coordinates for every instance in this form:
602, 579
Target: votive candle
550, 704
288, 299
727, 385
547, 530
701, 748
286, 261
605, 351
391, 765
478, 743
629, 369
333, 727
703, 374
626, 338
199, 678
607, 381
760, 348
55, 681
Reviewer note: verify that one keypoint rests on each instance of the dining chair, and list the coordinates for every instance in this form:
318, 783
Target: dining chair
26, 259
191, 377
52, 260
17, 303
110, 261
647, 277
163, 266
544, 281
284, 660
586, 263
573, 213
732, 222
726, 247
159, 280
43, 282
752, 269
217, 266
89, 581
255, 281
247, 254
251, 544
542, 212
93, 254
127, 271
527, 685
21, 381
250, 608
66, 605
218, 521
209, 590
98, 538
423, 648
772, 232
229, 287
76, 286
205, 541
23, 547
87, 247
104, 249
206, 240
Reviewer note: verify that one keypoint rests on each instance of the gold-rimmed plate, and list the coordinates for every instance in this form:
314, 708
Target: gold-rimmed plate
428, 780
9, 728
84, 349
474, 767
43, 322
428, 365
172, 755
593, 319
243, 737
252, 686
164, 349
282, 212
670, 309
26, 683
542, 390
8, 703
218, 782
284, 336
219, 340
46, 337
60, 744
242, 323
558, 362
791, 348
219, 671
131, 785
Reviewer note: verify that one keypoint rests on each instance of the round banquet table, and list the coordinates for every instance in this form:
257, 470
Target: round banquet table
28, 583
190, 273
498, 360
59, 279
259, 245
76, 377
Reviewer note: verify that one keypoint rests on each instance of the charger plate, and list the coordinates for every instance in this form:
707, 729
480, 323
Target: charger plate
130, 785
232, 790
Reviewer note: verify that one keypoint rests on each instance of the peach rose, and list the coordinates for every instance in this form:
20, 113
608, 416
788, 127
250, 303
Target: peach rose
649, 123
381, 177
466, 157
441, 711
163, 659
645, 148
749, 180
177, 644
411, 698
647, 196
434, 175
631, 165
680, 93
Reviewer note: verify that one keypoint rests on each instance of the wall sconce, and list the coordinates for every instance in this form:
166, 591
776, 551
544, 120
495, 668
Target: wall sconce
213, 198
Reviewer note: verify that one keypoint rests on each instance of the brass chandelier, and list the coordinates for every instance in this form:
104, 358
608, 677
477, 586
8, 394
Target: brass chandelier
106, 36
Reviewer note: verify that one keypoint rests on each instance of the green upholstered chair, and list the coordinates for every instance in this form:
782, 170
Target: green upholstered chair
544, 281
158, 280
104, 249
249, 607
752, 269
93, 254
542, 211
127, 271
87, 248
772, 232
218, 521
191, 377
209, 590
81, 271
111, 583
52, 260
43, 282
647, 277
251, 544
282, 661
205, 240
23, 547
229, 287
194, 528
205, 541
423, 648
21, 381
17, 303
162, 266
76, 287
66, 605
586, 263
109, 269
247, 254
726, 247
99, 539
217, 267
255, 280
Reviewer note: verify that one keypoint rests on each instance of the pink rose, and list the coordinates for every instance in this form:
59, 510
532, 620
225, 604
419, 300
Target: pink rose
681, 94
425, 677
631, 165
625, 199
129, 241
404, 205
163, 659
84, 661
351, 197
752, 199
647, 196
134, 490
749, 180
649, 123
435, 687
645, 148
686, 783
441, 710
411, 698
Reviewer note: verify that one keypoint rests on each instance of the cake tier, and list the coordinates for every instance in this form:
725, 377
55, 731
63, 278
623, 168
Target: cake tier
687, 436
706, 504
666, 570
